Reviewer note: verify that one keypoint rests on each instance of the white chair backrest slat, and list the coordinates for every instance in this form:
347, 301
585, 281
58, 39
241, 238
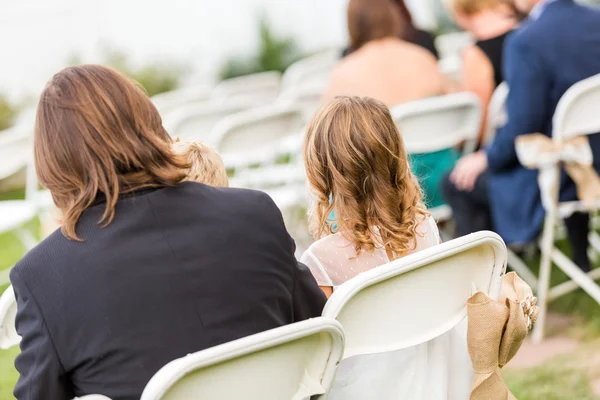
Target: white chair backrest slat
197, 121
8, 312
292, 362
438, 123
497, 116
255, 90
256, 132
312, 71
577, 111
419, 297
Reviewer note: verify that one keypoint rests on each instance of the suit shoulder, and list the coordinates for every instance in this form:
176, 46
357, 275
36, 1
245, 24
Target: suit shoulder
47, 254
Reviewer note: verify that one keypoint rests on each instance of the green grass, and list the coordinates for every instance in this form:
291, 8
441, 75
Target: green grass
564, 377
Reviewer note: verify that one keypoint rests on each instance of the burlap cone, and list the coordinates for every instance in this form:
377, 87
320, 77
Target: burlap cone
496, 330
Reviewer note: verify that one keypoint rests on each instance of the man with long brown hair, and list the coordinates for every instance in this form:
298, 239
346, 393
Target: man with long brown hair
146, 269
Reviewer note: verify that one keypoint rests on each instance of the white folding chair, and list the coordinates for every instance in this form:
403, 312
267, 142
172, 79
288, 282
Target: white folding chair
169, 101
292, 362
575, 115
417, 298
452, 44
197, 121
258, 135
308, 98
496, 117
439, 123
312, 71
254, 90
8, 311
15, 157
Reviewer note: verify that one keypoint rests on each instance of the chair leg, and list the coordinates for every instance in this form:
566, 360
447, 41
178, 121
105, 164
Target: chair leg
544, 280
518, 265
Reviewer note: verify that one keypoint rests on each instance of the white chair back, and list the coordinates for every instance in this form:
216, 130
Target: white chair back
255, 90
577, 111
312, 71
8, 312
15, 151
168, 101
419, 297
452, 44
256, 135
439, 123
197, 121
292, 362
307, 98
497, 116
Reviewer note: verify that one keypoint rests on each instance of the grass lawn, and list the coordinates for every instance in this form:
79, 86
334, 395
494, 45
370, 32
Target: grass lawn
563, 378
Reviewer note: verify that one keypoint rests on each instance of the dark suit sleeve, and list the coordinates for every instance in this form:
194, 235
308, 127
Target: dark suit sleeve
308, 298
527, 103
41, 373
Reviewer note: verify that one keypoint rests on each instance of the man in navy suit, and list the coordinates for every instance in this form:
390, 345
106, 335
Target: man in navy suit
557, 46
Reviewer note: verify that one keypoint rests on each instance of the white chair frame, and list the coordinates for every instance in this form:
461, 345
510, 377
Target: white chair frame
8, 312
439, 279
575, 115
439, 123
254, 90
210, 373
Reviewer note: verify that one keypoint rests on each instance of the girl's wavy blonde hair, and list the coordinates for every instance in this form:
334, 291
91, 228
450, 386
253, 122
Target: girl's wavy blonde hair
356, 165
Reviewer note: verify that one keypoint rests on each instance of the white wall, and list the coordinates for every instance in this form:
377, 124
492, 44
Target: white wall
38, 36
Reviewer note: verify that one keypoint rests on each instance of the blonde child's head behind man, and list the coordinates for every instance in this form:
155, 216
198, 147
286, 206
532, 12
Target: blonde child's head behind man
206, 166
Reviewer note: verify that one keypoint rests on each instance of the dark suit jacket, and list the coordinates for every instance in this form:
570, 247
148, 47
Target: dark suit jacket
180, 269
543, 59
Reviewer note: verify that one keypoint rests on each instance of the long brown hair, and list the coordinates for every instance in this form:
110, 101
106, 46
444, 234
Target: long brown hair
372, 20
98, 133
356, 164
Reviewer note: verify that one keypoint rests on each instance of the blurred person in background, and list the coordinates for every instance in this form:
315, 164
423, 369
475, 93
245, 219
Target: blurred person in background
489, 22
557, 46
357, 166
410, 32
146, 268
393, 71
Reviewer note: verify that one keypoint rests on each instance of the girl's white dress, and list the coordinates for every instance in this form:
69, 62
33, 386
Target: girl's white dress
437, 370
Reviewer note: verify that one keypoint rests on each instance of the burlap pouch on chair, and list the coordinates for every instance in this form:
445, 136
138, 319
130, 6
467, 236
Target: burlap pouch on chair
496, 331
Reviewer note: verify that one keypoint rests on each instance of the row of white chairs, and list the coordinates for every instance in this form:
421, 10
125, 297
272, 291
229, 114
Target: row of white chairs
400, 305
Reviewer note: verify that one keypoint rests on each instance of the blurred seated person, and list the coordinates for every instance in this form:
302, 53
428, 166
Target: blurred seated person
410, 33
357, 166
206, 165
393, 71
489, 22
142, 270
556, 47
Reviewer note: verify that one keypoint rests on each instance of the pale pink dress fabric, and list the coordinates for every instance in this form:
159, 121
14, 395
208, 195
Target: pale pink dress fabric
333, 260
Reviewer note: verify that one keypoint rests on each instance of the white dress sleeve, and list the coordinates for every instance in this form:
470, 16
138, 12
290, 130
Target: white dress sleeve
316, 268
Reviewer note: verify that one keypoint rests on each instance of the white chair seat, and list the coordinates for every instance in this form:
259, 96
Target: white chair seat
15, 213
269, 176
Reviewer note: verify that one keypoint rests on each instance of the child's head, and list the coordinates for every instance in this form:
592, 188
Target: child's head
356, 165
206, 166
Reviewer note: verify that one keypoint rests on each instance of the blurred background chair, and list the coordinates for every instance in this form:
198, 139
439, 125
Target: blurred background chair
439, 123
255, 90
292, 362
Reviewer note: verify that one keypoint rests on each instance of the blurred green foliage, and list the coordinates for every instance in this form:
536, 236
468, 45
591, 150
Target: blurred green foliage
156, 77
8, 113
274, 54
